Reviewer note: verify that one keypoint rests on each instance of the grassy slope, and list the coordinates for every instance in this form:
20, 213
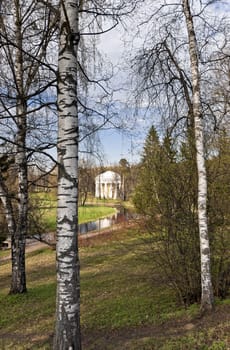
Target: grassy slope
125, 304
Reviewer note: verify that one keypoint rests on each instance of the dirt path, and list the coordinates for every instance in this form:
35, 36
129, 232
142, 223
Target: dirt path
84, 239
29, 248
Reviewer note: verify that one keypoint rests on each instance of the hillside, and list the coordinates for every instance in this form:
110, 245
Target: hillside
126, 304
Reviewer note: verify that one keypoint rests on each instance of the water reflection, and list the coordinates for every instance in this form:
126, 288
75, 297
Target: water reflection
122, 215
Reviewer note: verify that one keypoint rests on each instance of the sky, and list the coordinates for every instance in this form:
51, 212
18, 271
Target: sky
117, 144
127, 143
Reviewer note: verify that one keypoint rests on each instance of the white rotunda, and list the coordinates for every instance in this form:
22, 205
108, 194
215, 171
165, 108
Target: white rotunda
108, 185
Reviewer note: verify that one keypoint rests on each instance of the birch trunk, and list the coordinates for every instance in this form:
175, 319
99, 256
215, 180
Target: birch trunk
27, 29
68, 281
206, 283
18, 238
7, 206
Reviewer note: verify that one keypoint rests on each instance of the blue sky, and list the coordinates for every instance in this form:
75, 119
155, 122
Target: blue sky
117, 145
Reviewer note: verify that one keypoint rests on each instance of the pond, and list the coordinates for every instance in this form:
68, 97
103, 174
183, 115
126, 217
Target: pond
122, 215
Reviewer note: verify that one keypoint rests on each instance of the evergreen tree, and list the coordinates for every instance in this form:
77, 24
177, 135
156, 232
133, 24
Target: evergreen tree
166, 197
146, 193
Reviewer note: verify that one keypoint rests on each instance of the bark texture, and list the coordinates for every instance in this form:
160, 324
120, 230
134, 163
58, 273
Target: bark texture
18, 237
68, 281
26, 32
206, 283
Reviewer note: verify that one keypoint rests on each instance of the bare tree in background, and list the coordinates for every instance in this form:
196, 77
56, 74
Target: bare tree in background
25, 81
174, 77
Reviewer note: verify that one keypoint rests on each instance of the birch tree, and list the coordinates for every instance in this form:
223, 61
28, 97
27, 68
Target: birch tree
206, 281
175, 74
26, 76
72, 75
67, 334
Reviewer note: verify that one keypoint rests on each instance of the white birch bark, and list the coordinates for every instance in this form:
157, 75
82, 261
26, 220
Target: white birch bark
18, 238
206, 283
26, 31
68, 282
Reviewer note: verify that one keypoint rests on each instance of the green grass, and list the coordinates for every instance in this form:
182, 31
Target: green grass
85, 214
91, 213
124, 303
47, 213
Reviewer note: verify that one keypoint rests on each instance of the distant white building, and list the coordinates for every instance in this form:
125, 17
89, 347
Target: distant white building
108, 185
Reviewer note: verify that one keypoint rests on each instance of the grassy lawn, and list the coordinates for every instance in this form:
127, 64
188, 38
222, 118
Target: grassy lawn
85, 214
125, 305
47, 213
90, 212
